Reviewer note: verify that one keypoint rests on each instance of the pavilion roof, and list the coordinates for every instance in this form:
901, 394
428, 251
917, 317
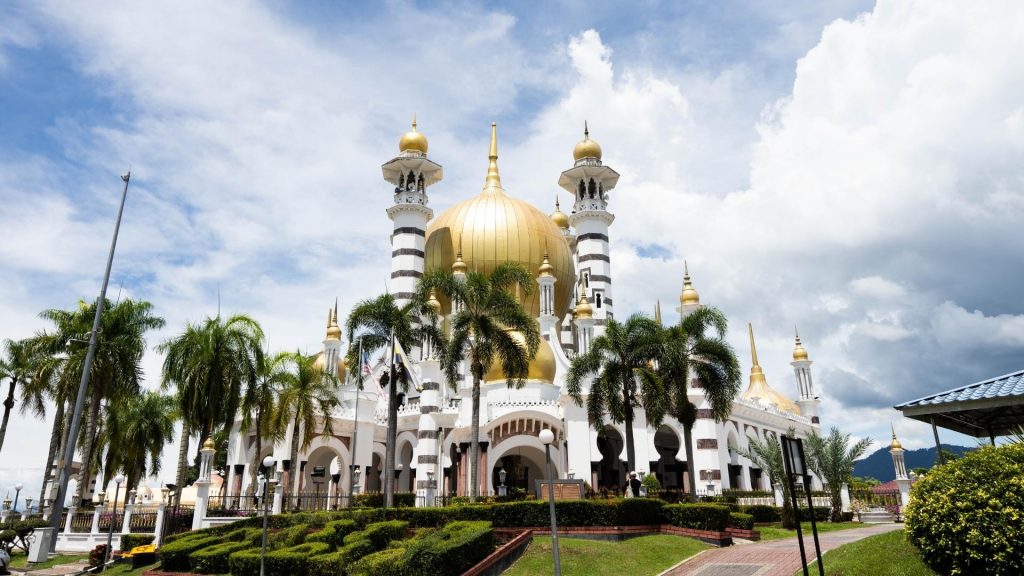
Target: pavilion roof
990, 407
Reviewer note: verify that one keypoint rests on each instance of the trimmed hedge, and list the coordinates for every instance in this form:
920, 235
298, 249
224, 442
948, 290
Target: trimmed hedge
712, 517
376, 500
214, 559
821, 514
333, 533
965, 515
741, 521
382, 533
453, 549
356, 546
762, 513
381, 563
129, 541
174, 557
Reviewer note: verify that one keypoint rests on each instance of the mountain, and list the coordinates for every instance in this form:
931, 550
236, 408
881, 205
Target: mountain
879, 464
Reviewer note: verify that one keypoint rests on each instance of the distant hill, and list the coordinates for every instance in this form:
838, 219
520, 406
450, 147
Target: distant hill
879, 464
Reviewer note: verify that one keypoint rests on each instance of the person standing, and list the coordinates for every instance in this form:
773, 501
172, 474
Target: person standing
634, 484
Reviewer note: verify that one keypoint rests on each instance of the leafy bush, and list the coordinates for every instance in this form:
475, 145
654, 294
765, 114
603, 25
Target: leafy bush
388, 562
651, 482
16, 534
451, 550
762, 513
712, 517
821, 514
965, 516
288, 537
174, 557
333, 533
639, 511
294, 561
214, 559
741, 521
382, 533
376, 499
129, 541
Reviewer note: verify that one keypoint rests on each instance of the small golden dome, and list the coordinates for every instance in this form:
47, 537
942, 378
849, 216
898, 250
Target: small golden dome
689, 295
318, 364
895, 443
586, 148
433, 302
546, 269
413, 140
799, 352
209, 444
560, 218
542, 367
459, 266
584, 311
333, 330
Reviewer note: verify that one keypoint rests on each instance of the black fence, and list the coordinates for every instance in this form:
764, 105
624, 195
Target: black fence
876, 499
178, 519
315, 501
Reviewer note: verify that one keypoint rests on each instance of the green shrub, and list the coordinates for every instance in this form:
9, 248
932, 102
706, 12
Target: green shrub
214, 559
288, 537
333, 533
639, 511
17, 533
762, 513
376, 500
421, 517
381, 534
336, 563
245, 562
965, 516
174, 557
712, 517
741, 521
451, 550
388, 562
821, 514
294, 561
129, 541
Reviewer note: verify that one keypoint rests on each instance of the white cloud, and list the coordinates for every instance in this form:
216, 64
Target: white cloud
876, 287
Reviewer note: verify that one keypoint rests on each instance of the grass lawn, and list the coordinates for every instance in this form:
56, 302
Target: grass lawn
125, 569
886, 554
641, 555
20, 560
776, 531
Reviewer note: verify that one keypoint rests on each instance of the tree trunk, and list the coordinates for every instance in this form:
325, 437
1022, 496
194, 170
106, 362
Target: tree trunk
389, 449
474, 442
630, 449
179, 478
8, 404
55, 434
257, 458
84, 485
837, 505
691, 471
293, 466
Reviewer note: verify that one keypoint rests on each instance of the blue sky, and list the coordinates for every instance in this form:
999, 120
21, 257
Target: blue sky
850, 167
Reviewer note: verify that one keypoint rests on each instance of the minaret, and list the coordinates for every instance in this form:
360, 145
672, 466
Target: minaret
332, 342
896, 451
589, 181
689, 300
411, 172
546, 281
585, 322
808, 400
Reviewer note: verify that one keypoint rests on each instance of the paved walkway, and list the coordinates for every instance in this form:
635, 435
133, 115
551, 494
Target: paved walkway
771, 558
58, 570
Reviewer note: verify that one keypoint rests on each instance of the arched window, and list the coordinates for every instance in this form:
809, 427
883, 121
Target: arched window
592, 188
599, 300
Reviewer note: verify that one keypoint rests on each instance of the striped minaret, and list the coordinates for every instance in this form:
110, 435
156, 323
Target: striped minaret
589, 181
411, 172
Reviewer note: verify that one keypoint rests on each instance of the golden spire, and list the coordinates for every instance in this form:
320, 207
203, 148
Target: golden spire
758, 389
413, 140
799, 352
584, 311
333, 330
493, 178
689, 295
558, 217
433, 302
895, 443
657, 312
459, 267
546, 269
586, 148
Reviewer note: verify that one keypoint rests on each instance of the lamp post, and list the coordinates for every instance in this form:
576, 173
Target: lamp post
502, 490
118, 480
547, 437
17, 492
268, 464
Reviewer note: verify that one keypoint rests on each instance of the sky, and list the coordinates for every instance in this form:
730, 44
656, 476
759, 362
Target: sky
852, 168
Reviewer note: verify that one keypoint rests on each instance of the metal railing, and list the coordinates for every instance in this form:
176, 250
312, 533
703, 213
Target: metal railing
877, 499
314, 501
142, 522
179, 519
241, 505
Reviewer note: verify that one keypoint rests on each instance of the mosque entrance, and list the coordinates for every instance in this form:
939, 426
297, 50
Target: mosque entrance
522, 469
667, 469
611, 472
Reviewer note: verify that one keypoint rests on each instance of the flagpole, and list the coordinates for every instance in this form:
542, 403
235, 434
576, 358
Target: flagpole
389, 451
355, 427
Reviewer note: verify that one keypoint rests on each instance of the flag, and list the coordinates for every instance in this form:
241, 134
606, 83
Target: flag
365, 370
402, 360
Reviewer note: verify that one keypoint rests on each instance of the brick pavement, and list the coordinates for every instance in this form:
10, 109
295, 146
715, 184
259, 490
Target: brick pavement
770, 558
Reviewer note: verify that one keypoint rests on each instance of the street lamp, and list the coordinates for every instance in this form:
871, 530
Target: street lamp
118, 480
17, 492
547, 437
268, 464
502, 490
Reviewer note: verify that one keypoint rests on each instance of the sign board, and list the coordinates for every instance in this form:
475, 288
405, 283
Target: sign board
564, 489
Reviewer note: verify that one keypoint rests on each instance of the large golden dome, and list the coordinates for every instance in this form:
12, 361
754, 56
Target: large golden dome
542, 367
341, 368
758, 390
494, 227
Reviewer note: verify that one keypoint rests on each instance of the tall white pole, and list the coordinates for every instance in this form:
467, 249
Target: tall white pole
355, 426
76, 419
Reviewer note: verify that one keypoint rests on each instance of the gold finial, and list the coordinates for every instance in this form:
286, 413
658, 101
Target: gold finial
209, 444
459, 267
433, 302
753, 347
413, 140
586, 148
493, 178
895, 443
559, 218
586, 130
584, 311
799, 352
546, 269
688, 296
333, 330
413, 121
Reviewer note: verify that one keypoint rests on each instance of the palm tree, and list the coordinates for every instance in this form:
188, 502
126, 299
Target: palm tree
258, 405
210, 363
138, 429
116, 370
308, 396
621, 362
381, 324
489, 325
18, 366
766, 454
832, 459
690, 352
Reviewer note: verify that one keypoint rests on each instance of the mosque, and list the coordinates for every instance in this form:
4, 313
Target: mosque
569, 256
